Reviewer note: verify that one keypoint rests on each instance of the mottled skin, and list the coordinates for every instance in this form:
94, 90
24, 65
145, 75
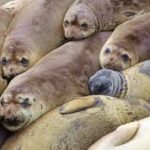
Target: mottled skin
133, 82
85, 17
128, 45
129, 136
31, 34
78, 131
60, 76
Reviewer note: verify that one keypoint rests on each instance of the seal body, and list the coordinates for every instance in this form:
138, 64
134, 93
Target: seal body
5, 19
133, 82
57, 78
31, 34
78, 131
133, 135
85, 17
128, 45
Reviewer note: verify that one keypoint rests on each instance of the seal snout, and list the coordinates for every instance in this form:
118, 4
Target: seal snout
100, 83
12, 121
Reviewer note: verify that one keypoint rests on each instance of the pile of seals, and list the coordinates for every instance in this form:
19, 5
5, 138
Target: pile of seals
50, 50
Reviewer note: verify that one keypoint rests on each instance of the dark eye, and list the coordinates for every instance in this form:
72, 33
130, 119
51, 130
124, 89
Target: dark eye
25, 103
84, 26
24, 61
4, 61
3, 103
107, 51
125, 57
66, 23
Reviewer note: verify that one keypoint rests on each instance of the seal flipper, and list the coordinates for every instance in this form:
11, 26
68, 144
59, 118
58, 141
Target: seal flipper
126, 132
77, 105
120, 136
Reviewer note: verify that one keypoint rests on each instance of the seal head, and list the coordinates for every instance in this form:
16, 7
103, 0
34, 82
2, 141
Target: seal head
106, 82
80, 22
117, 57
15, 59
20, 106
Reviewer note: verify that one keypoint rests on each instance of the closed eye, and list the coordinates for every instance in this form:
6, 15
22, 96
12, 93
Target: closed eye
84, 26
24, 62
4, 61
125, 57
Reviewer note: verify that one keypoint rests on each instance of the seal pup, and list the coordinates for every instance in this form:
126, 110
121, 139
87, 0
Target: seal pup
58, 77
133, 135
78, 131
85, 17
133, 82
5, 19
128, 45
31, 33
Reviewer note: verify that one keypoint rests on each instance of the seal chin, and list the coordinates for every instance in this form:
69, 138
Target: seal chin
14, 125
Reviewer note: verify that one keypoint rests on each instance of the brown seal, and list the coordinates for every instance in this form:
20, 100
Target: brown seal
86, 17
128, 45
78, 131
35, 31
5, 19
57, 78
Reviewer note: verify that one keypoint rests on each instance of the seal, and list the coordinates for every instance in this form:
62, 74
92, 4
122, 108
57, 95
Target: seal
128, 44
31, 33
85, 17
133, 135
5, 19
59, 77
133, 82
62, 132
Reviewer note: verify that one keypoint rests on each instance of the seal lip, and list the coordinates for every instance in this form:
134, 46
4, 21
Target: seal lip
18, 127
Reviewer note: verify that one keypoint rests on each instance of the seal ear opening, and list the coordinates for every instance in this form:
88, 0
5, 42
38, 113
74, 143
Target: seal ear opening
77, 105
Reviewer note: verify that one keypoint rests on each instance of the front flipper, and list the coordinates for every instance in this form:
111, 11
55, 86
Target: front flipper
125, 133
77, 105
120, 136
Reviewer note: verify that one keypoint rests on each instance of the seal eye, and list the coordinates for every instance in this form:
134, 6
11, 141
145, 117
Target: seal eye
107, 51
84, 26
25, 103
66, 23
125, 57
4, 61
24, 62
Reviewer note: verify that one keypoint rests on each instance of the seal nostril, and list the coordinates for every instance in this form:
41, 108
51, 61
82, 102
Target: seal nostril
107, 50
12, 121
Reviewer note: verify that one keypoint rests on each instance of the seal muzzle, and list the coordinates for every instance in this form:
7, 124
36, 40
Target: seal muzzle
106, 82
